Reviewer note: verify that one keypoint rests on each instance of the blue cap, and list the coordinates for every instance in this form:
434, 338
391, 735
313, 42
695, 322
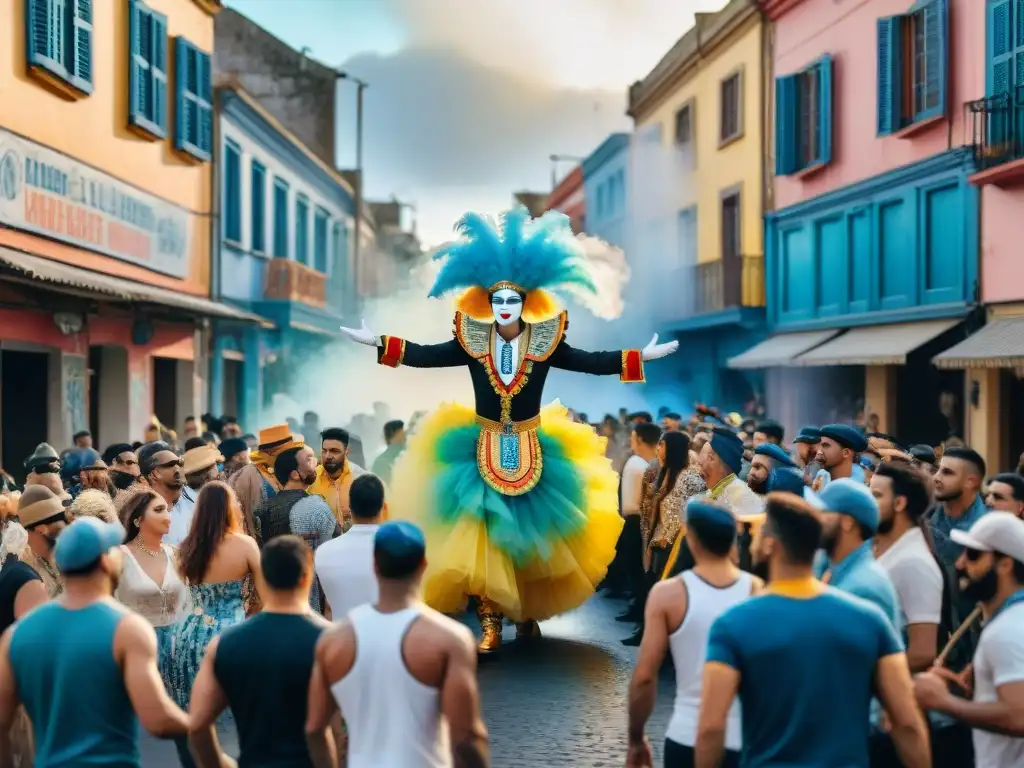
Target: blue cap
785, 480
84, 541
846, 436
865, 461
399, 539
717, 515
848, 497
775, 453
729, 448
808, 435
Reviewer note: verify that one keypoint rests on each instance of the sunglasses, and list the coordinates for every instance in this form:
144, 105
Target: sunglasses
167, 465
975, 554
498, 301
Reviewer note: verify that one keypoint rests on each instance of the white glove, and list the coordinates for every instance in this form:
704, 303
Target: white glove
654, 350
361, 335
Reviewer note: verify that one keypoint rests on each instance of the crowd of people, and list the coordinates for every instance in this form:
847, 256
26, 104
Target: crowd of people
837, 600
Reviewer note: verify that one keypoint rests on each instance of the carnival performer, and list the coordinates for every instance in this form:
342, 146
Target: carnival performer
519, 503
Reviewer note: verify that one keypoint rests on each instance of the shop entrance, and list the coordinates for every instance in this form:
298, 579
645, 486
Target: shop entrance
165, 391
109, 396
24, 407
1013, 393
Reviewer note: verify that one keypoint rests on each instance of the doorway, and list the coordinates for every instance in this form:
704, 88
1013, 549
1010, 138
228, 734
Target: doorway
24, 406
1013, 393
230, 405
165, 390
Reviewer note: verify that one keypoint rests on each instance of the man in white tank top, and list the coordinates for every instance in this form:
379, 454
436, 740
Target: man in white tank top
680, 612
403, 675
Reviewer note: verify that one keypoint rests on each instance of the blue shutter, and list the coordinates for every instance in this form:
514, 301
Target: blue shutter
824, 110
158, 74
136, 68
937, 45
182, 106
890, 75
1000, 39
785, 125
37, 34
79, 62
204, 92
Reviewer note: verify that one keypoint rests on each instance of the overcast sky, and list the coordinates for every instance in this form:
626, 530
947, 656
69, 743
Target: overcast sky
467, 99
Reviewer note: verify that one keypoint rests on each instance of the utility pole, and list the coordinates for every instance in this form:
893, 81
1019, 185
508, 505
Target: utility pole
359, 202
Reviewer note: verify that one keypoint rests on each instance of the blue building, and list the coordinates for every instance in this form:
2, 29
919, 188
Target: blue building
605, 191
283, 254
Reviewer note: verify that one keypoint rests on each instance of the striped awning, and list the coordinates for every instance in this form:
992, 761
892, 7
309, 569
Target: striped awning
1000, 344
779, 350
876, 344
71, 279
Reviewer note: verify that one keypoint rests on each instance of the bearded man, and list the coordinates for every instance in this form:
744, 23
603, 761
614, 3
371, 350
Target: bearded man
335, 474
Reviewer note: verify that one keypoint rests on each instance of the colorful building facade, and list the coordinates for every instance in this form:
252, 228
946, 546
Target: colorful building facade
105, 217
605, 190
872, 249
697, 196
284, 254
993, 358
568, 197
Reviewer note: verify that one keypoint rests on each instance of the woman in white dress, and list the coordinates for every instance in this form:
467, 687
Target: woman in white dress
150, 584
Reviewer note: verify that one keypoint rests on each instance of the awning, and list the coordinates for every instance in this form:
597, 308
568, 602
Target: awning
876, 345
779, 350
82, 281
1000, 344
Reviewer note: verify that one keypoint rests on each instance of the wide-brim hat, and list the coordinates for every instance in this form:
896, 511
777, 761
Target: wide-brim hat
272, 436
201, 458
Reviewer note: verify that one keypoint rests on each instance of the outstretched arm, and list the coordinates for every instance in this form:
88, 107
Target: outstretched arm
627, 363
393, 351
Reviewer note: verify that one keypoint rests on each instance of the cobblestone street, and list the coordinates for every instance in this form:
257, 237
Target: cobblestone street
559, 702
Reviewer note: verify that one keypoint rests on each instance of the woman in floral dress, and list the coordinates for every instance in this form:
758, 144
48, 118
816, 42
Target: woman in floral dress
215, 560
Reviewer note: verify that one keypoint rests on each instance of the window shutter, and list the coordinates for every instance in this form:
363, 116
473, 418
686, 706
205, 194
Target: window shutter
936, 35
138, 69
80, 60
158, 72
824, 110
785, 125
204, 90
890, 80
182, 106
1000, 37
38, 39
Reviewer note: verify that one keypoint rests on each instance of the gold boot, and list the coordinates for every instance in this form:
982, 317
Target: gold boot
527, 630
490, 623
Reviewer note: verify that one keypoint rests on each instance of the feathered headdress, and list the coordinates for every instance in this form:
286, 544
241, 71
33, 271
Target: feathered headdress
531, 256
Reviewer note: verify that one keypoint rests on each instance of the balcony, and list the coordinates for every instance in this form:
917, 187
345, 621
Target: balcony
997, 139
291, 281
711, 287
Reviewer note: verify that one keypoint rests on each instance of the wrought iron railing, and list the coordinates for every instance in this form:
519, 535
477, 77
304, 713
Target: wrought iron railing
291, 281
997, 129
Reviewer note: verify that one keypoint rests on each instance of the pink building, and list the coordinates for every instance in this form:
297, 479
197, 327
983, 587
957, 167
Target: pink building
874, 241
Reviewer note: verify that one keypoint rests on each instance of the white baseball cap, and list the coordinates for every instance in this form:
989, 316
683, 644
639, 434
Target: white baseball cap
994, 532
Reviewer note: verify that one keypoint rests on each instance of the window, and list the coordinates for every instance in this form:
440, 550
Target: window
302, 230
803, 118
913, 58
232, 192
320, 240
684, 124
731, 226
601, 201
339, 247
280, 219
147, 71
687, 237
259, 207
59, 42
730, 125
1005, 33
193, 102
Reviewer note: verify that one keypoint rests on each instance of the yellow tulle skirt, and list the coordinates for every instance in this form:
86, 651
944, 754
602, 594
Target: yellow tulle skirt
535, 555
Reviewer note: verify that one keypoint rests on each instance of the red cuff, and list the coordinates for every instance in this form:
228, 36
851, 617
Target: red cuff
632, 366
391, 352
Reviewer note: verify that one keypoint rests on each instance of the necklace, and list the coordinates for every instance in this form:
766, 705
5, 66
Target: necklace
144, 548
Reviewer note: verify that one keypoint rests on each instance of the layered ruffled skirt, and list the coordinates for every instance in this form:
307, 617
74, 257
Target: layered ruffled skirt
533, 555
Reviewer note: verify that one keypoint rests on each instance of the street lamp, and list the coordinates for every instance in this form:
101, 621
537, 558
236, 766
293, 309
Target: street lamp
555, 160
361, 86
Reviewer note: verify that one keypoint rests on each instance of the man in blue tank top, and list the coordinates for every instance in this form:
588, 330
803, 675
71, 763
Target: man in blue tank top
83, 665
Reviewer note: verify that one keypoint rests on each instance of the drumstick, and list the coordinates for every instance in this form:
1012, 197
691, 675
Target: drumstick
940, 660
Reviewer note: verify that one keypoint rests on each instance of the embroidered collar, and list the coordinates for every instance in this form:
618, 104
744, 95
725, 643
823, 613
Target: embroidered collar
720, 486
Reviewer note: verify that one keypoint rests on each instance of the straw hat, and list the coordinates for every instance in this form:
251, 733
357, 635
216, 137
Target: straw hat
201, 458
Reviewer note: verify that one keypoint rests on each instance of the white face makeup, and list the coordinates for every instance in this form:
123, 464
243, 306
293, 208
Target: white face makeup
507, 306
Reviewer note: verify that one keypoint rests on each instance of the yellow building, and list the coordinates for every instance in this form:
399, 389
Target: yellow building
106, 169
699, 149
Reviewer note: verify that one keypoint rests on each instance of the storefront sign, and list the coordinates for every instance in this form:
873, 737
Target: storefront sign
49, 194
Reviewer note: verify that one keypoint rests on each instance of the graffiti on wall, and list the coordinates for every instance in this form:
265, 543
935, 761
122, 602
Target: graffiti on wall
75, 393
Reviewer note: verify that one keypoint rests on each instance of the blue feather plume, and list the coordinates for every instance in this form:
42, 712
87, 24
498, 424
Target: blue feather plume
532, 253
